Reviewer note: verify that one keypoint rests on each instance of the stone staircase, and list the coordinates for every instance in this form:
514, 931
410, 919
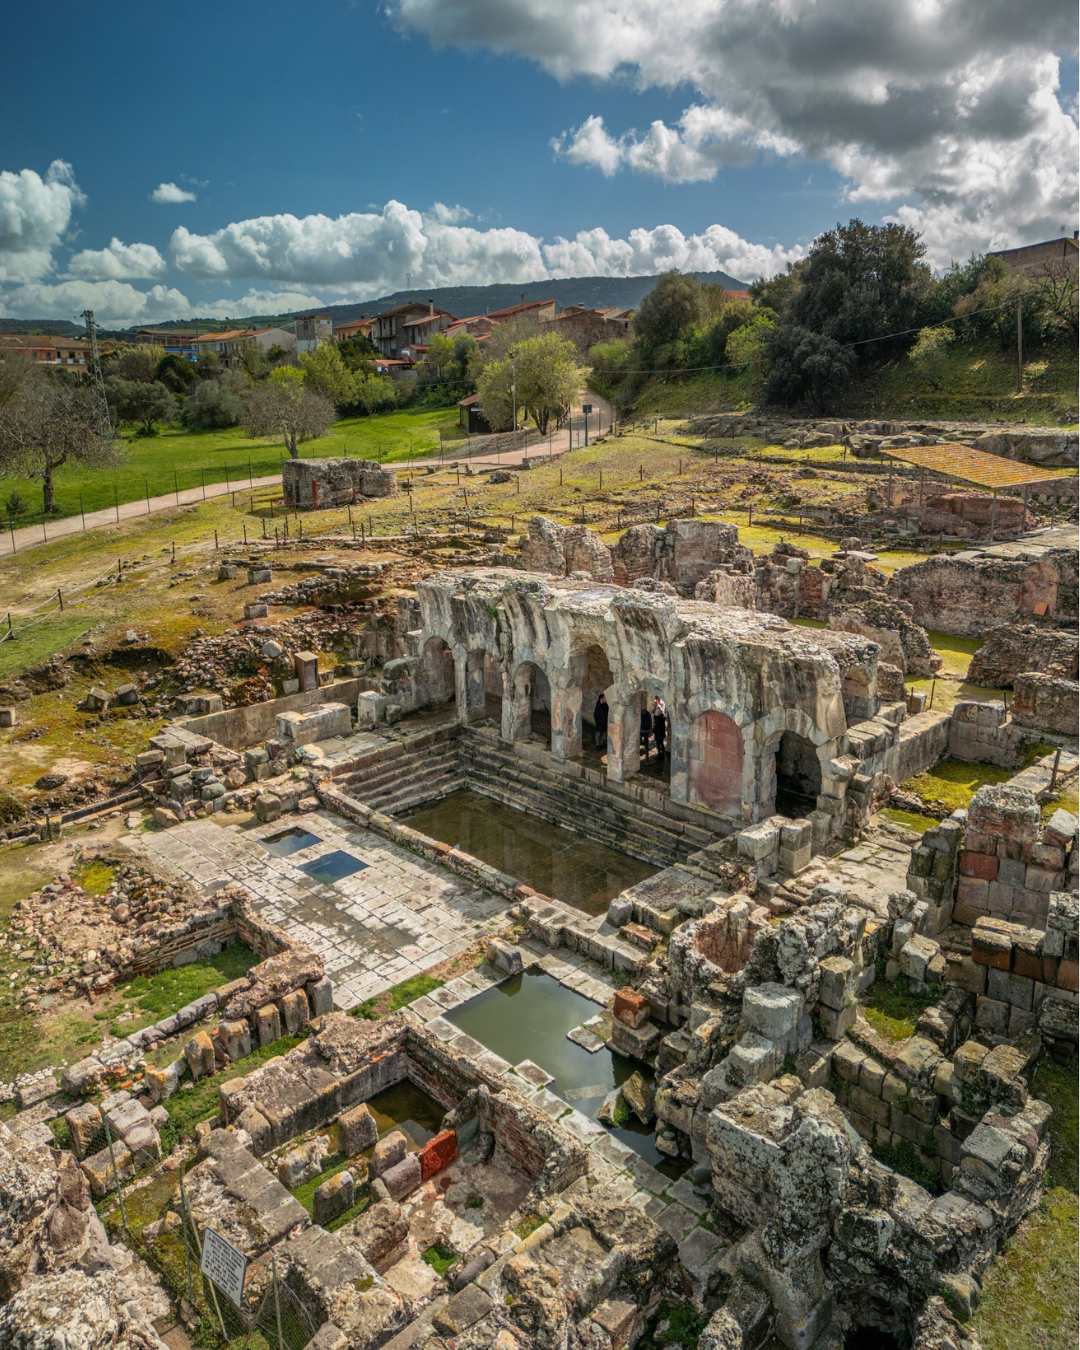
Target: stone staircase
406, 773
525, 776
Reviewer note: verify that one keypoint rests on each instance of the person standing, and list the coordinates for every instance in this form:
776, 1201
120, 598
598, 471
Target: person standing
646, 731
600, 722
659, 725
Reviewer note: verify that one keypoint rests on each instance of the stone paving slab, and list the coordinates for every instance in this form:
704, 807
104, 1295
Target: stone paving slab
394, 919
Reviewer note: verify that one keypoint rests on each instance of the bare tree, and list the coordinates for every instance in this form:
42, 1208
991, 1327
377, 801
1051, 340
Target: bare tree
48, 422
287, 409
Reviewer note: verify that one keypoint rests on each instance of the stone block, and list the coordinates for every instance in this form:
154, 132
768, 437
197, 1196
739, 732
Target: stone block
1060, 828
199, 1053
630, 1007
758, 842
837, 982
620, 911
321, 996
302, 1163
294, 1010
267, 1024
981, 865
333, 1197
772, 1010
357, 1129
403, 1178
439, 1152
258, 1129
234, 1039
992, 1016
989, 947
504, 956
108, 1168
268, 806
87, 1130
835, 1023
389, 1151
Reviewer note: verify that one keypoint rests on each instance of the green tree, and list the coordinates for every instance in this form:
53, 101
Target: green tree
669, 311
176, 374
611, 363
140, 402
47, 423
865, 281
374, 393
930, 354
358, 352
214, 404
540, 374
139, 361
448, 358
806, 368
326, 373
747, 348
778, 293
283, 406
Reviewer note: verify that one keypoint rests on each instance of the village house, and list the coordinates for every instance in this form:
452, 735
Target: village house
46, 349
400, 328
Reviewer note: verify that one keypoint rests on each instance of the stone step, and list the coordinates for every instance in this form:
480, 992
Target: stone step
371, 780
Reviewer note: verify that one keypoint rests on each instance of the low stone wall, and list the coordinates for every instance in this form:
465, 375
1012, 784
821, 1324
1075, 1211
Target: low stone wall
311, 484
239, 728
1044, 703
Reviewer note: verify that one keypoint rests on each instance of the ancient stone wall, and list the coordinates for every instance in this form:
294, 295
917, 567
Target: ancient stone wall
1045, 703
311, 484
1014, 649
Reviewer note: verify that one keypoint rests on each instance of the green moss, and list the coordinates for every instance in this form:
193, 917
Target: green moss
440, 1257
912, 820
35, 643
529, 1224
305, 1192
408, 991
1029, 1294
674, 1324
892, 1007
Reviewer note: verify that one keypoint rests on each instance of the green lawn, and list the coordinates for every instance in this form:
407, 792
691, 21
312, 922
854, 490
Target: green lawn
175, 458
954, 782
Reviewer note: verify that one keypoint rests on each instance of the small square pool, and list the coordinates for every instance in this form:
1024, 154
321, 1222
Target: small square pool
289, 841
332, 867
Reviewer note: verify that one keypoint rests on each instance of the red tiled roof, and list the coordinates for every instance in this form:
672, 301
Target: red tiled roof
511, 310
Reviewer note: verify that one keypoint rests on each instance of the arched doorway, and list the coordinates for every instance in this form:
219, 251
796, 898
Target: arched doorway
716, 763
437, 673
531, 711
798, 775
591, 672
483, 687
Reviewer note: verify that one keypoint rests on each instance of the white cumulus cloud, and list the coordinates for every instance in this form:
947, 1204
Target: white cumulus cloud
115, 303
946, 110
171, 194
118, 262
35, 212
450, 215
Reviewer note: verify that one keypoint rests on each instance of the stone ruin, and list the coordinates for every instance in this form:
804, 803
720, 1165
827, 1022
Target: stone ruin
312, 484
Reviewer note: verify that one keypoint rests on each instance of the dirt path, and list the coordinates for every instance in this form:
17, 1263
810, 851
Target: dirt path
27, 536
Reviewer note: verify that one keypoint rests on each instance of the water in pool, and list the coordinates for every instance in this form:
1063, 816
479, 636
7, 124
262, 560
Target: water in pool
289, 841
555, 861
332, 867
527, 1017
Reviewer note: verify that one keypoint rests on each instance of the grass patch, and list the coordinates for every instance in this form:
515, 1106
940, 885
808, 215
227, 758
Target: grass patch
400, 996
1029, 1295
177, 458
440, 1257
305, 1192
892, 1007
955, 651
1066, 801
189, 1106
953, 782
96, 876
911, 820
674, 1324
528, 1225
33, 645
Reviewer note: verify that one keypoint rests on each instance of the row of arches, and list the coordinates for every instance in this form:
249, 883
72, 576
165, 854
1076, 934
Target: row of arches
703, 760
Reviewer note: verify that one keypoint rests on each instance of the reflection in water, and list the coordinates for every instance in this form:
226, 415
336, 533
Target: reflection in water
405, 1107
553, 860
289, 841
527, 1017
332, 867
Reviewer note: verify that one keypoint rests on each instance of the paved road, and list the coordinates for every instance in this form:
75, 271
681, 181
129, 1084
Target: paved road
27, 536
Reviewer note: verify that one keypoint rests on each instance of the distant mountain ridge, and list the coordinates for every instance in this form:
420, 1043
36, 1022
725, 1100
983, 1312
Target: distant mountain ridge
595, 292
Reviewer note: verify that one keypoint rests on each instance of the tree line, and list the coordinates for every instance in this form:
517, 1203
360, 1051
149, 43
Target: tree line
863, 296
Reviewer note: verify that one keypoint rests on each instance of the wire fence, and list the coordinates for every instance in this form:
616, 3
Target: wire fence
149, 1210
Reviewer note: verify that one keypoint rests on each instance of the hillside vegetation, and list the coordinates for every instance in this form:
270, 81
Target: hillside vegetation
976, 383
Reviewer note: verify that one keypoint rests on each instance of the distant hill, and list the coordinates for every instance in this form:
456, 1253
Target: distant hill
597, 292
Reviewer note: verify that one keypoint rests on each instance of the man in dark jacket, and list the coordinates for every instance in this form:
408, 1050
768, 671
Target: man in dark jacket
600, 721
659, 725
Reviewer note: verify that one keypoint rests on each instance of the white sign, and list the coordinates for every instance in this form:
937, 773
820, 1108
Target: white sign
224, 1264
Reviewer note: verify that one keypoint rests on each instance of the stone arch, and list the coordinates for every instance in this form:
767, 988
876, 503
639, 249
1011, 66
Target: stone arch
483, 690
590, 674
715, 763
527, 713
437, 673
624, 731
798, 775
790, 763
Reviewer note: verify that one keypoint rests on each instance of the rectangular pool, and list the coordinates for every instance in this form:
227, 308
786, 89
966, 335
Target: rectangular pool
527, 1017
289, 841
554, 860
333, 866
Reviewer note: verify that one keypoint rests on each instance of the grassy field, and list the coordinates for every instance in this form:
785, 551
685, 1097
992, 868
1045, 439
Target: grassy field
175, 458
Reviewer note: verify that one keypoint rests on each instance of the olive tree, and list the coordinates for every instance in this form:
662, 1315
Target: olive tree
284, 406
540, 374
48, 422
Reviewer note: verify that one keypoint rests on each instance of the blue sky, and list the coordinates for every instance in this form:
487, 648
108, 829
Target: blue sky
266, 112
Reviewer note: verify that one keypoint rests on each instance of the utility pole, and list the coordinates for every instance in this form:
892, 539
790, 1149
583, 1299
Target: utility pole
1019, 345
97, 380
